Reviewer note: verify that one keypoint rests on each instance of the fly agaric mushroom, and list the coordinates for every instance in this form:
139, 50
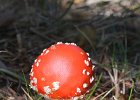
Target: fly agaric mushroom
63, 71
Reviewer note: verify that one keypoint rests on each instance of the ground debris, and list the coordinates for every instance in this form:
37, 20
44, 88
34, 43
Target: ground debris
7, 93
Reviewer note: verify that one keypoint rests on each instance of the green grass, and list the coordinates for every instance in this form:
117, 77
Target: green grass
95, 87
131, 92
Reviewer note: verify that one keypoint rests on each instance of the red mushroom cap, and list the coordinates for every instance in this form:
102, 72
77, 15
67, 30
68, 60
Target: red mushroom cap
62, 71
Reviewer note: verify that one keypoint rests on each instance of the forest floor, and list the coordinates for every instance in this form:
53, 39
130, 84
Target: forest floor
109, 31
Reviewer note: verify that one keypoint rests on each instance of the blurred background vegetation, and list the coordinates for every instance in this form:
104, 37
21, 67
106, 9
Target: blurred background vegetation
108, 30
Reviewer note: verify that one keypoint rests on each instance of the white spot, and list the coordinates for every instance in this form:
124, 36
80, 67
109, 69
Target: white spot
46, 52
31, 73
34, 87
78, 90
47, 90
31, 82
59, 42
87, 54
85, 85
32, 69
41, 53
42, 79
91, 79
39, 60
86, 62
88, 73
73, 44
37, 64
81, 53
35, 60
87, 91
55, 86
89, 59
53, 47
67, 43
34, 80
93, 66
75, 98
84, 71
